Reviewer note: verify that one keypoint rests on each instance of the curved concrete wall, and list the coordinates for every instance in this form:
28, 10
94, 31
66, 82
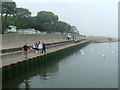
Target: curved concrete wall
19, 68
18, 40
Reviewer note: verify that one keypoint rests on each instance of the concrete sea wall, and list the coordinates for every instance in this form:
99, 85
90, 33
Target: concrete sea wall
18, 40
20, 68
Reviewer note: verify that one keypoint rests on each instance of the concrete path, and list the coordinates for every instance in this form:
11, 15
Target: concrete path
18, 40
12, 59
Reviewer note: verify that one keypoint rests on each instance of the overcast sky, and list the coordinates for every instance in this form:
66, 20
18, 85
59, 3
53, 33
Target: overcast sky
91, 17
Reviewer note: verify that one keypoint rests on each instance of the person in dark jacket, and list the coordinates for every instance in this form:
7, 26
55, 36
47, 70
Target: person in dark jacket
44, 47
25, 49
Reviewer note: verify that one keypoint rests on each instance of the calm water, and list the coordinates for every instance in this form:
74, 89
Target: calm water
92, 66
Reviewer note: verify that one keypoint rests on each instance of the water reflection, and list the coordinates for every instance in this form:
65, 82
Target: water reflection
113, 51
26, 82
72, 69
47, 69
82, 51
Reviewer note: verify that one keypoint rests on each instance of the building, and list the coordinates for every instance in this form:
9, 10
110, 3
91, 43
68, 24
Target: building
27, 31
11, 29
6, 0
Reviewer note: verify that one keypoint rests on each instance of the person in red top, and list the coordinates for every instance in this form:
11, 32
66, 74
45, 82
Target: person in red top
38, 43
39, 46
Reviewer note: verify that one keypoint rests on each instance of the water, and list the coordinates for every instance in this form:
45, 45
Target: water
93, 66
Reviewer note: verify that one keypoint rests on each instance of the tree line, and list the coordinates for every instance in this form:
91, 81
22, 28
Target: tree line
44, 21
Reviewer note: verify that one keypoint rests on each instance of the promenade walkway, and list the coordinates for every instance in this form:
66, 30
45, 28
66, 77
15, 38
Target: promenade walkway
18, 40
18, 56
12, 59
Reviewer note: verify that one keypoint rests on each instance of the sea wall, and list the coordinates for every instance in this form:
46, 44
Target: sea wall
19, 68
18, 40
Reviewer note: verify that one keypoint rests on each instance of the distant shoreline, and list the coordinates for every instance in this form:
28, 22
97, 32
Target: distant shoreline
101, 39
18, 40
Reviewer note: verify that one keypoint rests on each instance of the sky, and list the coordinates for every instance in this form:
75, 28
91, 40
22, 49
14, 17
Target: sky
91, 17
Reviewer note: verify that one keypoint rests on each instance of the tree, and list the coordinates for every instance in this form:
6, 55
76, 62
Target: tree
23, 18
74, 30
48, 27
8, 9
22, 12
44, 19
63, 27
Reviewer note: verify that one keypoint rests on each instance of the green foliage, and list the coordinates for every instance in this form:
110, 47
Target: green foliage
22, 12
44, 21
22, 18
63, 27
45, 16
48, 27
4, 26
8, 9
74, 30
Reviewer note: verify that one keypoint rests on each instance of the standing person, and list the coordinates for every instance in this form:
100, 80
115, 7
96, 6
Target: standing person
44, 48
73, 37
39, 43
35, 47
25, 50
76, 40
40, 47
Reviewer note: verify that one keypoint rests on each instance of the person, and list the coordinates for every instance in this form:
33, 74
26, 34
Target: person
44, 48
25, 49
40, 47
73, 37
35, 47
69, 37
110, 39
39, 43
76, 40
